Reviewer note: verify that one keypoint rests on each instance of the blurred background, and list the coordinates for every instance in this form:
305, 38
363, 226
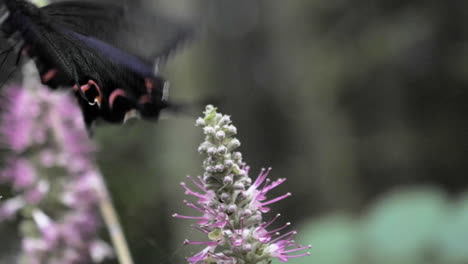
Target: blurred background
361, 104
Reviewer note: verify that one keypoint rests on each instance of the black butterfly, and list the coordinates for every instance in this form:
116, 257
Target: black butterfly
107, 53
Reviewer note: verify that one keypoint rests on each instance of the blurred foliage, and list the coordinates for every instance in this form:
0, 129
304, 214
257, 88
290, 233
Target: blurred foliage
408, 226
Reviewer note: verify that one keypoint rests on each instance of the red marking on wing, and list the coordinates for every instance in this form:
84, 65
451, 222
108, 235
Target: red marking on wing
116, 93
49, 75
90, 84
85, 87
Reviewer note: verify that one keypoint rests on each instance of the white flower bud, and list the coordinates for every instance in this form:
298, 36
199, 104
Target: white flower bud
227, 180
208, 130
228, 163
257, 218
211, 151
248, 213
225, 197
239, 186
209, 108
203, 147
247, 181
242, 173
237, 156
222, 150
235, 143
242, 195
231, 209
200, 122
225, 120
220, 135
210, 169
231, 129
219, 168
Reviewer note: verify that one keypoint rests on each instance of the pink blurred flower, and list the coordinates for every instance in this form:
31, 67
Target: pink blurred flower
52, 171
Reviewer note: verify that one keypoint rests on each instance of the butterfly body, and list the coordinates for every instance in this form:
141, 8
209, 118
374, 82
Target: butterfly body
96, 49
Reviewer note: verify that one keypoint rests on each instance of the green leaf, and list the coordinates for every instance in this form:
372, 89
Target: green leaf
453, 238
400, 228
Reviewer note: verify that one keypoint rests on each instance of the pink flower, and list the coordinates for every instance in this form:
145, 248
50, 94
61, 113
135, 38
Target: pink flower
52, 171
230, 207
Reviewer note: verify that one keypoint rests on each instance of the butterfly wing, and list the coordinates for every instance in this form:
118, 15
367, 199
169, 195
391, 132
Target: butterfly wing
142, 34
125, 83
80, 44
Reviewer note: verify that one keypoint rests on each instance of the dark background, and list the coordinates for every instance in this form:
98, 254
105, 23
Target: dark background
352, 101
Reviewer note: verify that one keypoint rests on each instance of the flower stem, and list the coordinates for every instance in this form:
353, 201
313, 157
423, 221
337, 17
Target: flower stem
114, 228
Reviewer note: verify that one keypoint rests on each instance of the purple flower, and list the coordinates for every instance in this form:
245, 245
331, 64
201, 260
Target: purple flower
230, 207
52, 171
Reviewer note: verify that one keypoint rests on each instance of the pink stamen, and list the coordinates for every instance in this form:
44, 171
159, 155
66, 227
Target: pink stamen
201, 180
193, 206
188, 217
246, 168
290, 234
265, 185
265, 179
261, 177
190, 192
197, 184
276, 199
200, 229
297, 256
273, 185
279, 229
264, 226
209, 243
297, 249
